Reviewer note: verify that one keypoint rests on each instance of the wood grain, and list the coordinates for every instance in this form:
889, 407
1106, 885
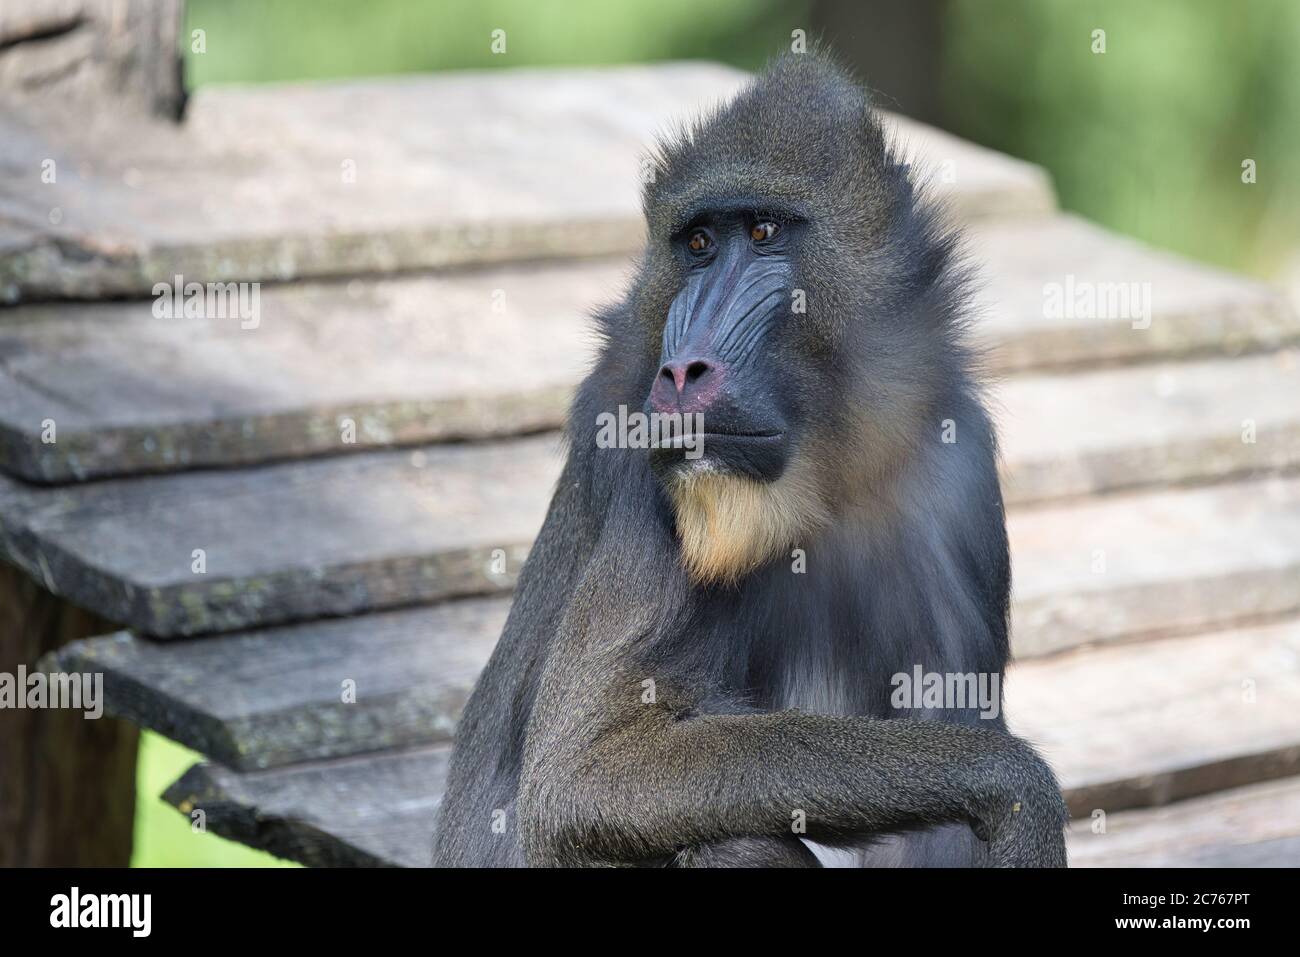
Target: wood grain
348, 366
1257, 826
1152, 722
360, 533
279, 696
1125, 725
377, 811
67, 781
380, 175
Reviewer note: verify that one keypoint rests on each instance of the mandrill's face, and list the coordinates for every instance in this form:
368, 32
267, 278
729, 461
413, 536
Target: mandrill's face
737, 375
721, 367
794, 312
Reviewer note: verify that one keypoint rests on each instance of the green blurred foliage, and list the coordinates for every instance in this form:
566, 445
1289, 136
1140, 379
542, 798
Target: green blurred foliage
163, 836
261, 40
1148, 137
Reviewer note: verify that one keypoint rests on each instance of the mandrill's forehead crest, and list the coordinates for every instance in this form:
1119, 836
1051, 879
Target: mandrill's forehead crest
800, 132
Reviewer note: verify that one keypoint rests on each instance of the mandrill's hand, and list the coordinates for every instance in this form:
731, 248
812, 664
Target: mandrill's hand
1018, 808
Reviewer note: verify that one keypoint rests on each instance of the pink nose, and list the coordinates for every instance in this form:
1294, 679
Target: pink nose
685, 385
685, 373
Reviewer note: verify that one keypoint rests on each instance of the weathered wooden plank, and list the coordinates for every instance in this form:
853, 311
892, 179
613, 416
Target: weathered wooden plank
330, 367
359, 533
1195, 714
324, 689
498, 351
380, 810
1068, 293
1150, 424
215, 551
1153, 563
361, 812
1152, 722
1257, 826
379, 175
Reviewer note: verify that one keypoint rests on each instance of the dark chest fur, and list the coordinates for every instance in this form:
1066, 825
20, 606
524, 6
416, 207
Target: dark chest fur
826, 631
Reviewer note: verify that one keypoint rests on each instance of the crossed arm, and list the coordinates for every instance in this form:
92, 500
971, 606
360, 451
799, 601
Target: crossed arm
627, 782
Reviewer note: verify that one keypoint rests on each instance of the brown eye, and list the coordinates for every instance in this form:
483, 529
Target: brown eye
698, 241
763, 231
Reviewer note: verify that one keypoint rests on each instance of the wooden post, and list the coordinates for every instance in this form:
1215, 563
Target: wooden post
67, 783
124, 54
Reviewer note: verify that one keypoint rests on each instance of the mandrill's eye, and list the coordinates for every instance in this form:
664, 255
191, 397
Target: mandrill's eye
699, 241
764, 231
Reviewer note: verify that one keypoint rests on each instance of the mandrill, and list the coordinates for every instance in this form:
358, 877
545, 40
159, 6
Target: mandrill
699, 665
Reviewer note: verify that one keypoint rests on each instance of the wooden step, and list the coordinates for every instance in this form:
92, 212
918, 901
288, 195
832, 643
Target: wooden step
1037, 267
379, 175
331, 367
1150, 424
323, 689
376, 811
379, 810
1196, 713
1144, 723
217, 551
1153, 563
346, 366
1257, 826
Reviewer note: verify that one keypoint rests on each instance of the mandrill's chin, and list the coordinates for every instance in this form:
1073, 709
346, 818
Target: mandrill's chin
728, 525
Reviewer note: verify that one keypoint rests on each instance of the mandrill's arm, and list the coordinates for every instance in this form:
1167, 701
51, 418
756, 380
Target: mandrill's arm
655, 786
609, 779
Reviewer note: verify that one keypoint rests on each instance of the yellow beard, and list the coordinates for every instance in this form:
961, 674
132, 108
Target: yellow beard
728, 525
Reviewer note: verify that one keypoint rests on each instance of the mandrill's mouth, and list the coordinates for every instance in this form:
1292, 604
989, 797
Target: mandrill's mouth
759, 455
678, 441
